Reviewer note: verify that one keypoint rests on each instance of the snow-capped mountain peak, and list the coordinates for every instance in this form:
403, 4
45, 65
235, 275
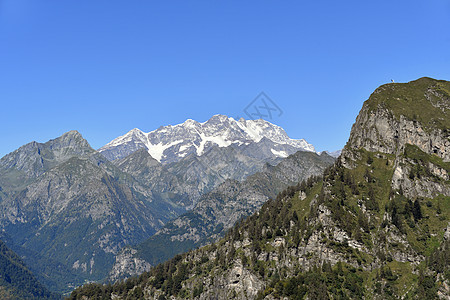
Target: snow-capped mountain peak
171, 143
129, 136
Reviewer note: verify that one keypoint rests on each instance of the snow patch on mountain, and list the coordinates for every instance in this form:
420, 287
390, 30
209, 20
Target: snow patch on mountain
279, 153
171, 143
219, 140
157, 151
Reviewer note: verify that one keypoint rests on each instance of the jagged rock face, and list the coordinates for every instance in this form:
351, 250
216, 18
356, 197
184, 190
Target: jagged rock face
380, 128
150, 173
235, 283
383, 127
171, 143
419, 187
31, 160
380, 131
222, 162
127, 263
268, 150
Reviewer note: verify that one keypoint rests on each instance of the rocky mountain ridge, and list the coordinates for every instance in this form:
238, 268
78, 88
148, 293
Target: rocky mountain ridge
385, 127
33, 159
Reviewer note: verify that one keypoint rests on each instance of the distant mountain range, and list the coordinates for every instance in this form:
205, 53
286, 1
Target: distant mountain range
169, 144
68, 209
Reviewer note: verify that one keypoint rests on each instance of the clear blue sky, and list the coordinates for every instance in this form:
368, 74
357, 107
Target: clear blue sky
105, 67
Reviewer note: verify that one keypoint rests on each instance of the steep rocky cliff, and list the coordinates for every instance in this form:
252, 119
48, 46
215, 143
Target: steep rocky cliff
375, 225
397, 115
407, 120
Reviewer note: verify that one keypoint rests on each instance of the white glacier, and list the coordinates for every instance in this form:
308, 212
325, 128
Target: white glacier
171, 143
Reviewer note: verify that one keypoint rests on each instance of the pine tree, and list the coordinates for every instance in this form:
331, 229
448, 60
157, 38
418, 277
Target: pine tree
417, 211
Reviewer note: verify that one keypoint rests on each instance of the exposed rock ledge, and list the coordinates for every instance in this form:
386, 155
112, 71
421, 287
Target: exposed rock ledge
127, 263
380, 131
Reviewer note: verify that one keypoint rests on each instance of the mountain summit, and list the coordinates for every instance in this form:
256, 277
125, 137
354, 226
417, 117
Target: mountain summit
171, 143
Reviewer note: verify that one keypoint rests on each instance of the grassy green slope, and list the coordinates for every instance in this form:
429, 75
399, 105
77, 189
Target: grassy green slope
421, 100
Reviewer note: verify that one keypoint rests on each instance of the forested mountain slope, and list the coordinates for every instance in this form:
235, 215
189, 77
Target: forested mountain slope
16, 281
